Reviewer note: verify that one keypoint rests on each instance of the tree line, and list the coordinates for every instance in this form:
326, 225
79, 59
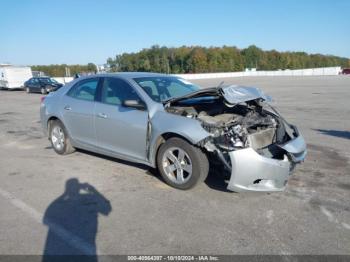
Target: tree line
61, 70
197, 59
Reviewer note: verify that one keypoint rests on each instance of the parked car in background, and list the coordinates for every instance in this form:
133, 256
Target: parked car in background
42, 85
14, 77
169, 123
346, 71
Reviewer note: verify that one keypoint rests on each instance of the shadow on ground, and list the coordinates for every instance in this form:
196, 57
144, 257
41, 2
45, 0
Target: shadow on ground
216, 179
336, 133
72, 221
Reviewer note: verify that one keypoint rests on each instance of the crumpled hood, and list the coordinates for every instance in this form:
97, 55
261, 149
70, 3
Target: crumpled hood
237, 94
232, 94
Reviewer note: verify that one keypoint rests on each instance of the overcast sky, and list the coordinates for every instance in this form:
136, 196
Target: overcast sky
82, 31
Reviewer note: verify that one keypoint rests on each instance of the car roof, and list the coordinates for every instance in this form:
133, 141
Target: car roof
128, 75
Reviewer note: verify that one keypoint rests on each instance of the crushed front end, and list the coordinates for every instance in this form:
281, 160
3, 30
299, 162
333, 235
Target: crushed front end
263, 170
249, 137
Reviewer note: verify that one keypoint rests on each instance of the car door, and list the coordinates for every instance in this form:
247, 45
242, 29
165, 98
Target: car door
78, 112
28, 83
35, 85
119, 129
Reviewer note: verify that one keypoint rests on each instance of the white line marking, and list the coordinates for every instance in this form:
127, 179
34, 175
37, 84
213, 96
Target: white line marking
345, 225
332, 219
269, 216
61, 232
328, 214
18, 145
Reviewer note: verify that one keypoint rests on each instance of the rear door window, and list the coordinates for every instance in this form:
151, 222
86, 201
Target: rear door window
84, 90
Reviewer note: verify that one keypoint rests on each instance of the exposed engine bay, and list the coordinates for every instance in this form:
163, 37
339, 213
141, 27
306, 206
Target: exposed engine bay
248, 136
239, 126
258, 147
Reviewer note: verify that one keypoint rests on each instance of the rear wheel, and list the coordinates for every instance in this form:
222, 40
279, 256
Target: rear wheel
59, 138
43, 91
181, 164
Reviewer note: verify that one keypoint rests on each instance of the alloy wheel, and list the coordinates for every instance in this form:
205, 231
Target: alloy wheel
177, 165
57, 137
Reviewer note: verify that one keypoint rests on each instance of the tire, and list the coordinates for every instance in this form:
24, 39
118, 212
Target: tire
59, 138
43, 90
27, 90
170, 168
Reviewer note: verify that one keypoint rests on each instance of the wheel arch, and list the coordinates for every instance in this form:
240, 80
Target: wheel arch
50, 120
160, 140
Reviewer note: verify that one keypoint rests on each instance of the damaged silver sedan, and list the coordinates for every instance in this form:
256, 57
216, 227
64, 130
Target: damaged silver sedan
169, 123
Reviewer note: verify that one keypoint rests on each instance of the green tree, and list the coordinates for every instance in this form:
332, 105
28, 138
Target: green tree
197, 59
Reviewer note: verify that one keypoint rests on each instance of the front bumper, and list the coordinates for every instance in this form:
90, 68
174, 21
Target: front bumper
254, 172
50, 89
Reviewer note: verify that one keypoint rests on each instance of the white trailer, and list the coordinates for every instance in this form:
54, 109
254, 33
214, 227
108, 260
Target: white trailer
13, 77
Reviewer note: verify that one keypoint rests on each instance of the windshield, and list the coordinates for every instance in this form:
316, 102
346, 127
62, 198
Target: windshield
161, 89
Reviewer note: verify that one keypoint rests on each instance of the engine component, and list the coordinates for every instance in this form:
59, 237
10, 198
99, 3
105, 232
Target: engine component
183, 111
215, 121
262, 139
235, 127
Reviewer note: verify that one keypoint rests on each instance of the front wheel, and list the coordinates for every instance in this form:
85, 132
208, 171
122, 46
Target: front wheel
27, 90
43, 91
59, 138
181, 164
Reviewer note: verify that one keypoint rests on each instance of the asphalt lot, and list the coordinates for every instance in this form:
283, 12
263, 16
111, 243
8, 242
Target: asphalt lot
145, 216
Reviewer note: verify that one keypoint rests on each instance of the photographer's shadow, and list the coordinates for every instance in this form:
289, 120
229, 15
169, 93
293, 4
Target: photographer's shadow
72, 221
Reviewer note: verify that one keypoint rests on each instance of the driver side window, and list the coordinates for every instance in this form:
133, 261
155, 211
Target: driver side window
115, 91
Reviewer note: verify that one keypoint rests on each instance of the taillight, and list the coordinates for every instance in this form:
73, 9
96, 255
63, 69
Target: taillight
42, 99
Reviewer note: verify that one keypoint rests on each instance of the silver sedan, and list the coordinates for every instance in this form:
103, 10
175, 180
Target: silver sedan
168, 123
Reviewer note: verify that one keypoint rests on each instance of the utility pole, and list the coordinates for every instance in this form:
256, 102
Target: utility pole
67, 71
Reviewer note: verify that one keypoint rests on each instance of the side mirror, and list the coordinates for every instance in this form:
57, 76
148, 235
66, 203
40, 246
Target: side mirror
134, 104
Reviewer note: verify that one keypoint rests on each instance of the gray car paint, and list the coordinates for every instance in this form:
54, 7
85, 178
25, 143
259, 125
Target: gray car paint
238, 94
118, 127
254, 172
163, 122
131, 130
133, 135
78, 118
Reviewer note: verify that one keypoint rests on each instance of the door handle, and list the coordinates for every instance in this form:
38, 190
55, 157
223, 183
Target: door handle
102, 115
67, 108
